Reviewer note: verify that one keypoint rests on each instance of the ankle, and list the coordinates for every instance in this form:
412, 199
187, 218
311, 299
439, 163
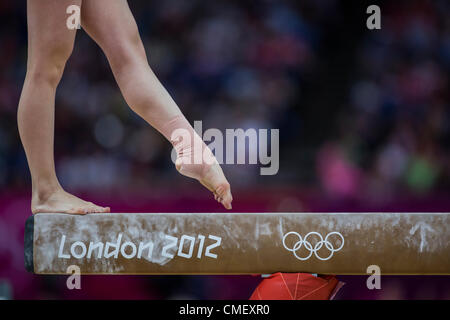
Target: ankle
43, 192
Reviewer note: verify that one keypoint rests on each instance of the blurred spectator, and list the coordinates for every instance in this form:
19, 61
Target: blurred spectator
397, 120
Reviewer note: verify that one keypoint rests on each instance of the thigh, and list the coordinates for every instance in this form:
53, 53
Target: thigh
48, 34
110, 23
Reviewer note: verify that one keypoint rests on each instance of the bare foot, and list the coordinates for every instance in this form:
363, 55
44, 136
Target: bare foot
63, 202
213, 179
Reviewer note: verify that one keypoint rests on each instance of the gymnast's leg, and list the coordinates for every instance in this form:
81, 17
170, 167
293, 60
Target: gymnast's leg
50, 44
112, 25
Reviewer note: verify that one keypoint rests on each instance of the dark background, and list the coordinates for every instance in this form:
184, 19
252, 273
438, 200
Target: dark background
364, 121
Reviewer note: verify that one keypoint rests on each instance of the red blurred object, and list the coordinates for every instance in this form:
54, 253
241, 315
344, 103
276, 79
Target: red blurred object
297, 286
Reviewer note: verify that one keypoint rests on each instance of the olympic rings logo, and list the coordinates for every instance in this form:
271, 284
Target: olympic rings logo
309, 247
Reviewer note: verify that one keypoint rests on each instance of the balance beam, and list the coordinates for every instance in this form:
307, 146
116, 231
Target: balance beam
239, 243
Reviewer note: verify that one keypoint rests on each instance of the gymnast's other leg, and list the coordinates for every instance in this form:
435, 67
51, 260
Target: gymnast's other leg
112, 25
50, 44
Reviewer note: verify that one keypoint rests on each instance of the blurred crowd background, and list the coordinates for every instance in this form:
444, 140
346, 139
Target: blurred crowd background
364, 121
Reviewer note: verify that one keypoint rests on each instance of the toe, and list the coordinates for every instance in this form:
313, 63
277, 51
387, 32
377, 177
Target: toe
224, 192
91, 209
99, 209
95, 209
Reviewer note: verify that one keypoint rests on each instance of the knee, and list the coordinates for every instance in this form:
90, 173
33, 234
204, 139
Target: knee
47, 65
128, 50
